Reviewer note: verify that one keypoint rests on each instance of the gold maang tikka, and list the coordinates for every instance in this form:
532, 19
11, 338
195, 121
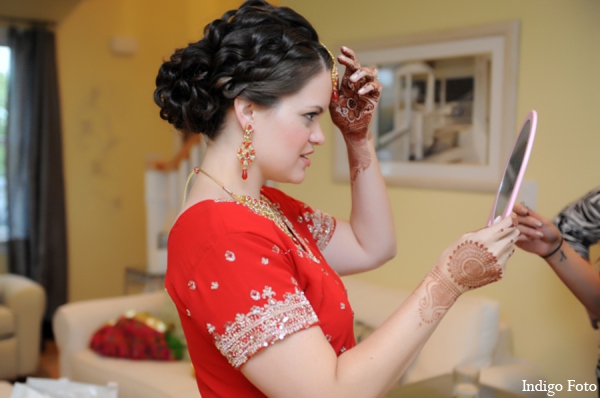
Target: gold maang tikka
335, 77
245, 152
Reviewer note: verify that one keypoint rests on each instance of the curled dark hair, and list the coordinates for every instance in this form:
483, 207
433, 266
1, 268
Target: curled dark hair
259, 52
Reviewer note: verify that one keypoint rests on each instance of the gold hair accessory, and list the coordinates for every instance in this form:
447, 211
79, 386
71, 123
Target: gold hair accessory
246, 153
335, 76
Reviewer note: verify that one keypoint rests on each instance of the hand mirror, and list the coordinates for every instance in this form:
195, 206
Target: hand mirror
515, 169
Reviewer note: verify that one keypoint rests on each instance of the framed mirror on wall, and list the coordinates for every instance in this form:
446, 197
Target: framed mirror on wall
446, 117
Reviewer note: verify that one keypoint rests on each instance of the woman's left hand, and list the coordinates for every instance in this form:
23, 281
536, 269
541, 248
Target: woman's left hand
359, 94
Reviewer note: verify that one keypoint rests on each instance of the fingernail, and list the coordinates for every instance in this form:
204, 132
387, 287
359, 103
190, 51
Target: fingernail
354, 77
538, 224
362, 90
539, 233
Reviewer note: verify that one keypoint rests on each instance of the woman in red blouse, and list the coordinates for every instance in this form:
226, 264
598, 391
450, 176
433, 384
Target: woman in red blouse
253, 272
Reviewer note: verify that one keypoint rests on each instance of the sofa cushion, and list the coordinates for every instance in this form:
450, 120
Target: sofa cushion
9, 357
7, 322
466, 335
372, 304
362, 330
156, 379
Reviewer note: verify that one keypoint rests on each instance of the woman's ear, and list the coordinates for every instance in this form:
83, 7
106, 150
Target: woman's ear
244, 111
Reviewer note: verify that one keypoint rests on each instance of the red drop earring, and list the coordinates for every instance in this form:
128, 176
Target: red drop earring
246, 153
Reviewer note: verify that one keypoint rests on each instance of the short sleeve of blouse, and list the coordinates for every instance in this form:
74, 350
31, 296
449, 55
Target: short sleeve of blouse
249, 295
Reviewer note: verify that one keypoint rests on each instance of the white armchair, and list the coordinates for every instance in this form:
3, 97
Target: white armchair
470, 333
22, 306
75, 323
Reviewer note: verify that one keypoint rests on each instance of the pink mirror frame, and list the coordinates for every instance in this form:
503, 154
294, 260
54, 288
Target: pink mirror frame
531, 118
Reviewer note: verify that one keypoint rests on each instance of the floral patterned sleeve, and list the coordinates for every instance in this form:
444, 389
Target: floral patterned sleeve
579, 223
321, 225
249, 296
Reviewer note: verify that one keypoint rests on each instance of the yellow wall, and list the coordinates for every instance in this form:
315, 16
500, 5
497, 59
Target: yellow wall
558, 62
111, 125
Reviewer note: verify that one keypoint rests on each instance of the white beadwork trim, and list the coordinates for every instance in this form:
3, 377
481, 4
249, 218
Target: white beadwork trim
263, 326
322, 228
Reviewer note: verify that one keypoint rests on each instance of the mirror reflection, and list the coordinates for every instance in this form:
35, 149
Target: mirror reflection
515, 169
507, 185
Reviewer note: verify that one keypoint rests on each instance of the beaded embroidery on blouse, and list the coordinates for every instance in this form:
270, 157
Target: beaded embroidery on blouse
321, 226
263, 326
298, 240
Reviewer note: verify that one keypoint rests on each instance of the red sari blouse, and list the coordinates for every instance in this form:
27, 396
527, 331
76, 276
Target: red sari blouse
240, 284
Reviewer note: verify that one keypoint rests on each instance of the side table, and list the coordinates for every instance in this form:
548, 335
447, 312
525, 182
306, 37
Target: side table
148, 281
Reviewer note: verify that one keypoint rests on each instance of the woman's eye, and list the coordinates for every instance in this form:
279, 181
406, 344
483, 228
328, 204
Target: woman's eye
311, 115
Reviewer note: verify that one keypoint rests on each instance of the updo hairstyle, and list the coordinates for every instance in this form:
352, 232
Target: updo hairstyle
259, 52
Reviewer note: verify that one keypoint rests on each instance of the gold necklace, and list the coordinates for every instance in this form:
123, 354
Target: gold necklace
264, 208
257, 206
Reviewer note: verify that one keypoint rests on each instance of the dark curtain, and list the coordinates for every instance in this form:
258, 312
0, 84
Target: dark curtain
37, 245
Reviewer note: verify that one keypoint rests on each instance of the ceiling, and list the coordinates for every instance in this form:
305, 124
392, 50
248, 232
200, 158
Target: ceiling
43, 10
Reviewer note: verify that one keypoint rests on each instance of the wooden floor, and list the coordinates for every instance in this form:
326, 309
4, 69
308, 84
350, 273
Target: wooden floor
48, 361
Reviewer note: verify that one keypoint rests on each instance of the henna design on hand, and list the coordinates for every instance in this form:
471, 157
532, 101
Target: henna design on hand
472, 265
352, 114
440, 294
359, 158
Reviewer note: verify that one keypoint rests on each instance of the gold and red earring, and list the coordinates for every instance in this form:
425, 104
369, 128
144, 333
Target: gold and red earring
246, 153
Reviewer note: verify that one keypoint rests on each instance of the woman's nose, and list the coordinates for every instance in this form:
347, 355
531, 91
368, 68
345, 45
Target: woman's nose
317, 137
